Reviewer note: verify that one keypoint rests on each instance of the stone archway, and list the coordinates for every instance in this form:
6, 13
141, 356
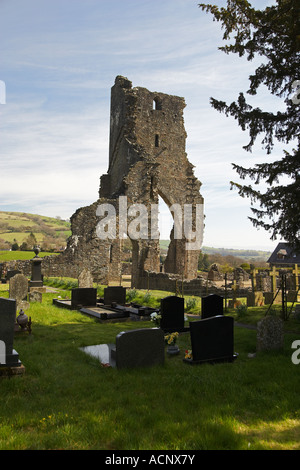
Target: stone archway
147, 158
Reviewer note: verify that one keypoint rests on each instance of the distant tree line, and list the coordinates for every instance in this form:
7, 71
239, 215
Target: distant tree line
227, 262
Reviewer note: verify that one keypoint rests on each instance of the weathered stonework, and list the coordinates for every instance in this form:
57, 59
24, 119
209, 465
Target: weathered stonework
270, 334
147, 159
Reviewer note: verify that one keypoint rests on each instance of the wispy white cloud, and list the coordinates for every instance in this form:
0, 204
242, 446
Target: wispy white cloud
59, 63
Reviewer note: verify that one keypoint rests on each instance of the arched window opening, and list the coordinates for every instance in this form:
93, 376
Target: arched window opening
157, 105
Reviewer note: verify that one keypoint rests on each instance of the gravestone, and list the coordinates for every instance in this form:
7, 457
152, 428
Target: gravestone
83, 297
135, 348
85, 279
9, 358
212, 340
11, 273
293, 296
36, 270
297, 312
172, 313
18, 290
211, 306
115, 294
270, 333
214, 273
35, 296
255, 299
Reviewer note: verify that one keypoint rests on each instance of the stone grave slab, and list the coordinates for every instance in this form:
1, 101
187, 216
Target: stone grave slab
211, 306
172, 314
212, 340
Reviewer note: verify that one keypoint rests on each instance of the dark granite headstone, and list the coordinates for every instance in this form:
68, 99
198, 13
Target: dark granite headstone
211, 306
139, 348
172, 313
8, 356
83, 297
212, 340
36, 272
115, 294
11, 273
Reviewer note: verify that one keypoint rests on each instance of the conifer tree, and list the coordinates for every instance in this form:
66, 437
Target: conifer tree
273, 34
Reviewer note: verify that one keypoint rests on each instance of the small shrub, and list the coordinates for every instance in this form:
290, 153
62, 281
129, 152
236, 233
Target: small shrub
190, 304
147, 297
131, 294
241, 310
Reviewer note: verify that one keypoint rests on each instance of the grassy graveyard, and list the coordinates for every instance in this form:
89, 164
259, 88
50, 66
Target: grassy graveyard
67, 400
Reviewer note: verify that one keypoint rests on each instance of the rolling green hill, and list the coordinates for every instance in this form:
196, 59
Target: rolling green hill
16, 227
52, 233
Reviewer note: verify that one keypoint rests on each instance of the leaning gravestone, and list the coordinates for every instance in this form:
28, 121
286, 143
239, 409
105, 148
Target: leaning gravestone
9, 358
211, 306
270, 333
115, 294
85, 279
172, 313
18, 290
212, 340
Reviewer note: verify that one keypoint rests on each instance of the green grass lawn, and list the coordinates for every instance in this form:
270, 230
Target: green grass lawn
67, 400
21, 255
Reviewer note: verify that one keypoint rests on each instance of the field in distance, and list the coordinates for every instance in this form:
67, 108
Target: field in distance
50, 233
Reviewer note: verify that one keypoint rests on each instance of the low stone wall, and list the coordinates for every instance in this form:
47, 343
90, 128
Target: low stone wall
173, 283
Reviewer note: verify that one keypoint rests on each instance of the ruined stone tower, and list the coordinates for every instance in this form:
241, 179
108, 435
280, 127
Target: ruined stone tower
147, 159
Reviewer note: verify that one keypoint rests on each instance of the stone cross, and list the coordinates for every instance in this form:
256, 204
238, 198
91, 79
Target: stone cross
254, 272
296, 272
273, 274
234, 288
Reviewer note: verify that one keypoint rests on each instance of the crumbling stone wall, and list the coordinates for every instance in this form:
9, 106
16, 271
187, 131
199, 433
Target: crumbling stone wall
147, 159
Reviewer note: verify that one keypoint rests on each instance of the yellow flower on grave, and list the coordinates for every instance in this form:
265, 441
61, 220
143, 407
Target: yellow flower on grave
171, 338
188, 354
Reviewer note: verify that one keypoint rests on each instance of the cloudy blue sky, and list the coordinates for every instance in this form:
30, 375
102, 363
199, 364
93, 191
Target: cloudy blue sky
59, 59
